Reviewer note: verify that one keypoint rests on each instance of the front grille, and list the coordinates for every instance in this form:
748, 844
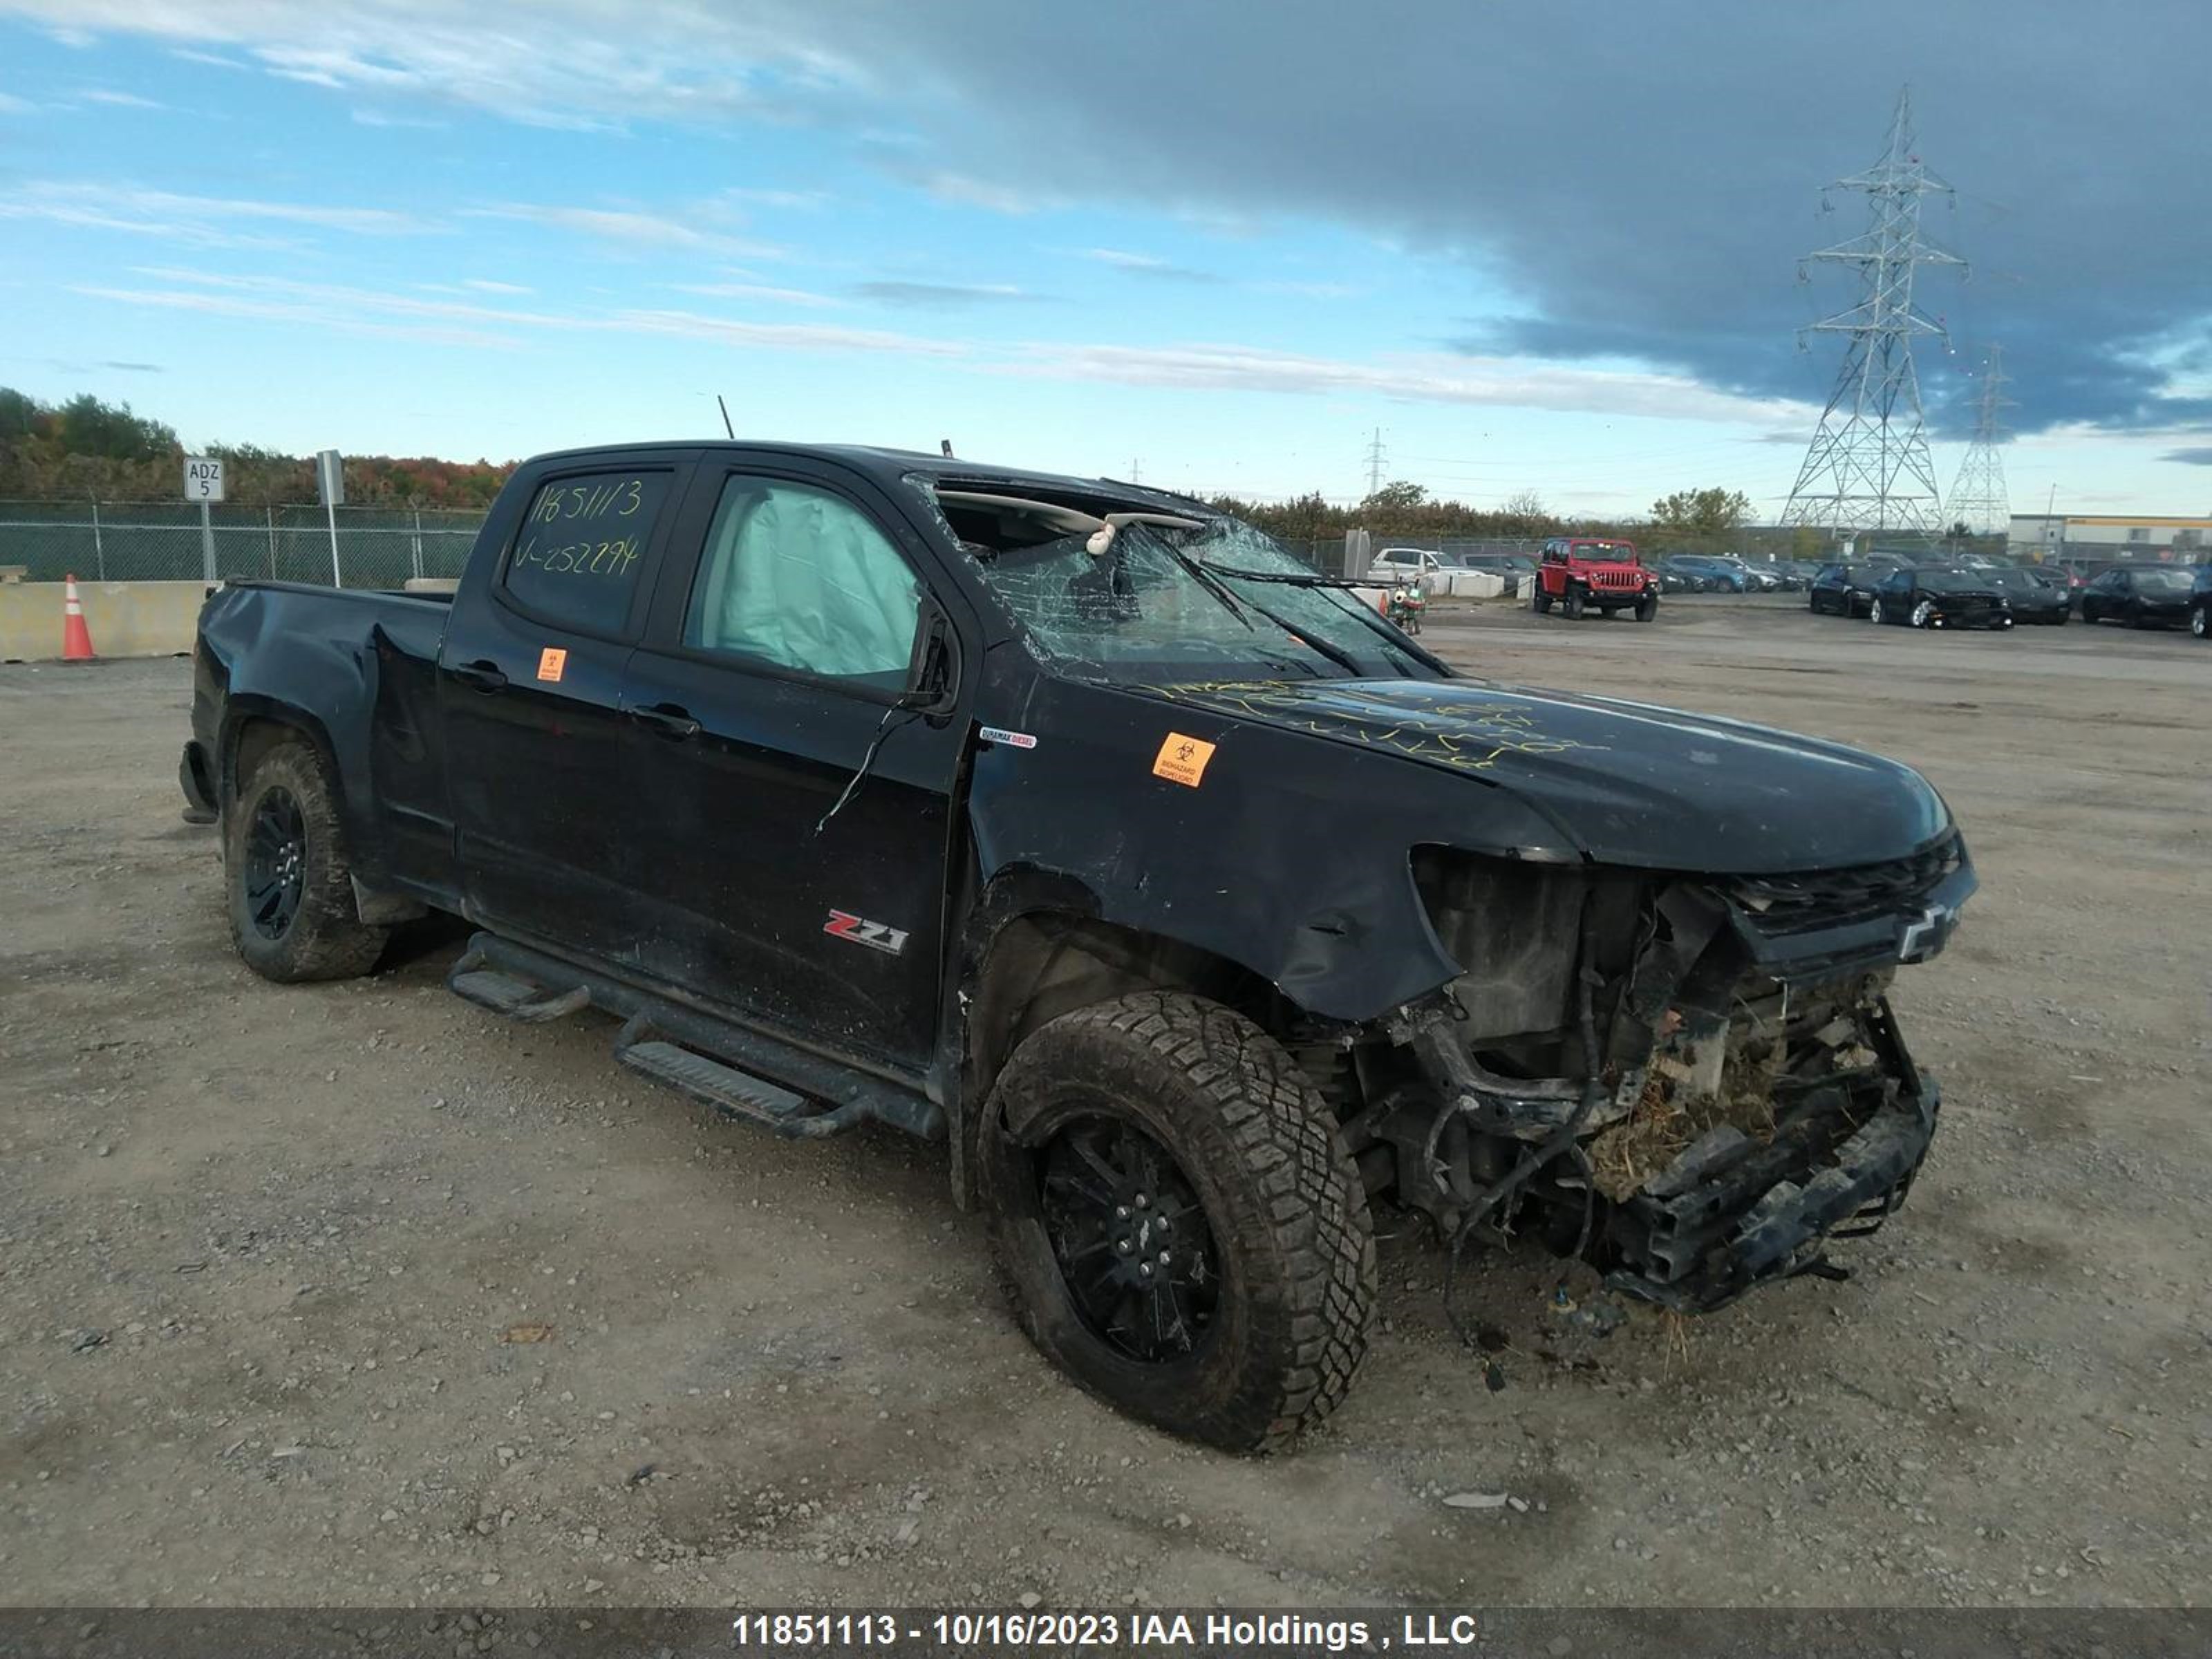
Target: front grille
1617, 579
1836, 898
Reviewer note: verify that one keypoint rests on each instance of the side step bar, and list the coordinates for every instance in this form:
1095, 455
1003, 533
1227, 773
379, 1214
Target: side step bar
727, 1066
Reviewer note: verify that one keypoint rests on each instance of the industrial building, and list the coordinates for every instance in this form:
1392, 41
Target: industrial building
2106, 538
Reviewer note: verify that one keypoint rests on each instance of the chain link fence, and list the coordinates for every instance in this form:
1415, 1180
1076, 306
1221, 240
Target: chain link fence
142, 541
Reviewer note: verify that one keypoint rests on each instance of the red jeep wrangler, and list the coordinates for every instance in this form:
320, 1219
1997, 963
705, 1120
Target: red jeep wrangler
1582, 573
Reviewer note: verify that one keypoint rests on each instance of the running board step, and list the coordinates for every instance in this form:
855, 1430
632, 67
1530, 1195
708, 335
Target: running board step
509, 995
710, 1080
723, 1086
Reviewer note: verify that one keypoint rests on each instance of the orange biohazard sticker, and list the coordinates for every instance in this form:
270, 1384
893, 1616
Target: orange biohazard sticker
552, 664
1183, 760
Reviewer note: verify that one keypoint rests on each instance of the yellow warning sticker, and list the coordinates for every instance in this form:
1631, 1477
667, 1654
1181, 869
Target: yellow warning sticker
1183, 760
552, 664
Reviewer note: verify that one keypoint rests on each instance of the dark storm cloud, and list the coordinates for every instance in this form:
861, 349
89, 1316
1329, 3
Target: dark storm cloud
1645, 176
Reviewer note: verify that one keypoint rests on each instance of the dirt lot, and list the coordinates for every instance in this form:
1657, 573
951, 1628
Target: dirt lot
259, 1247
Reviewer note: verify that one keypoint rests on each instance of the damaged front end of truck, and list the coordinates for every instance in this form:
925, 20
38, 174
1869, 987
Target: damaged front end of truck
1693, 1083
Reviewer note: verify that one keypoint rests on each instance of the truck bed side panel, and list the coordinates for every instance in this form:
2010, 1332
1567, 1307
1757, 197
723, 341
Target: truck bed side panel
357, 671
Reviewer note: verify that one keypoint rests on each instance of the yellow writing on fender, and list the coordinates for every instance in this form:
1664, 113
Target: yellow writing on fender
552, 664
1183, 760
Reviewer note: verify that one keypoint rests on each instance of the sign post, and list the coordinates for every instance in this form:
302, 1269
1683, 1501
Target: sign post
203, 484
330, 480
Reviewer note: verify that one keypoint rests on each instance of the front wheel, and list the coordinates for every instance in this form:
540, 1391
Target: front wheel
1923, 614
1647, 607
286, 878
1574, 606
1874, 611
1185, 1234
2196, 623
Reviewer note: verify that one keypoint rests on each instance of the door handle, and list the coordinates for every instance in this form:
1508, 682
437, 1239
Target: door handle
481, 677
667, 721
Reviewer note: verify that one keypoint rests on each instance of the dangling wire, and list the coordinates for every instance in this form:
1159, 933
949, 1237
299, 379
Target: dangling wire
868, 760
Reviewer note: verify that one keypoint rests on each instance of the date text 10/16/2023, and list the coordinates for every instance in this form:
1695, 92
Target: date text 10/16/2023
1247, 1632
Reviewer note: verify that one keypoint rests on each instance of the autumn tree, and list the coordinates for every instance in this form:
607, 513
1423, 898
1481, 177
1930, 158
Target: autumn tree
1702, 512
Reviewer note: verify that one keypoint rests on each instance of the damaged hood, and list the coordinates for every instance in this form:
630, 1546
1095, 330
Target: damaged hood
1628, 784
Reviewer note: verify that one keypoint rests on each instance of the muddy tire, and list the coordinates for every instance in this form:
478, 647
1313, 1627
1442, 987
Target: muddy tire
287, 882
1243, 1319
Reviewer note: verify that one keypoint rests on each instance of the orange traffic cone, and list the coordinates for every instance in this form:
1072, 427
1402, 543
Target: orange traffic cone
77, 638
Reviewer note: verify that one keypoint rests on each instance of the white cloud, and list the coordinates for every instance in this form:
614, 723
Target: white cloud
573, 64
1524, 383
121, 99
632, 230
965, 189
453, 322
198, 220
485, 285
12, 106
767, 296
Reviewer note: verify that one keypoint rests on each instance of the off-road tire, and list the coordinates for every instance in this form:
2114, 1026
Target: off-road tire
1288, 1215
325, 938
1573, 605
1647, 608
1541, 601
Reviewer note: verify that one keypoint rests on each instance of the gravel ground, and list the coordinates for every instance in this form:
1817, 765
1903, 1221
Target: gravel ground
269, 1256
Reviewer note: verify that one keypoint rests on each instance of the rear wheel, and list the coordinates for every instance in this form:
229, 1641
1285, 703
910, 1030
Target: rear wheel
1185, 1234
287, 880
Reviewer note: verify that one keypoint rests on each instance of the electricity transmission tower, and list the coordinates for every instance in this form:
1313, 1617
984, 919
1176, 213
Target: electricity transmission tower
1977, 494
1374, 462
1868, 467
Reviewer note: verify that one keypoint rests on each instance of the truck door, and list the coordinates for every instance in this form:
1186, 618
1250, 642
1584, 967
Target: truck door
529, 688
774, 878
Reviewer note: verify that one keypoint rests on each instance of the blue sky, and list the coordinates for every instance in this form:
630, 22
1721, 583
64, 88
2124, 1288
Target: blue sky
1219, 258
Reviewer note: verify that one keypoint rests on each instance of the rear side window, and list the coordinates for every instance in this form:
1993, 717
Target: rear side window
581, 546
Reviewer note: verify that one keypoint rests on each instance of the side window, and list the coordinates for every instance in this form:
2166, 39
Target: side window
798, 578
577, 555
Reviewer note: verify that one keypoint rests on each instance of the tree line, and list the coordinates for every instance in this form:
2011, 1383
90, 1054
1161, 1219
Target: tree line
85, 448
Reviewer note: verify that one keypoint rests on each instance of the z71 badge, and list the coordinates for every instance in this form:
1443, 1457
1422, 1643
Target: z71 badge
874, 934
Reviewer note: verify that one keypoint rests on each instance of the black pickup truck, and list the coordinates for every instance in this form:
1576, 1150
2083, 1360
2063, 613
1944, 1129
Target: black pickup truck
1088, 831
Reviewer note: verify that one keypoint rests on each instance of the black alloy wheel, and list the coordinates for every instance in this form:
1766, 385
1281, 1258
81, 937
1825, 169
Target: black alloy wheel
1135, 1251
275, 863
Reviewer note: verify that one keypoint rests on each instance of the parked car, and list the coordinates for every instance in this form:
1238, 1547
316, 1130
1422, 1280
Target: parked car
2200, 603
1691, 579
1089, 833
1722, 575
2138, 595
1515, 569
1586, 573
1404, 564
1940, 596
1765, 577
1844, 590
2036, 596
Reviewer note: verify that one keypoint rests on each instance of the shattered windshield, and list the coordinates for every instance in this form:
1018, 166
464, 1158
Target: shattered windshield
1170, 600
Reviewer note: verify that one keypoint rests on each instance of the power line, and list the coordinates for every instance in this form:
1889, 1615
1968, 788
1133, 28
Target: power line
1374, 461
1868, 466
